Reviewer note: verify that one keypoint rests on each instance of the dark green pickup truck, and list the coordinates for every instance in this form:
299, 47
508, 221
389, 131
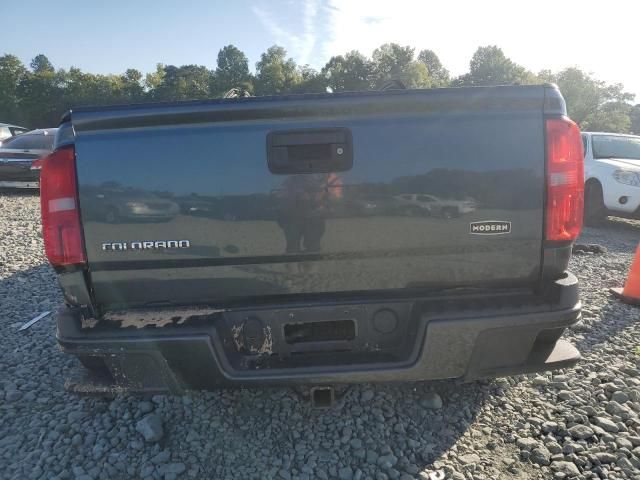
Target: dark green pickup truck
317, 239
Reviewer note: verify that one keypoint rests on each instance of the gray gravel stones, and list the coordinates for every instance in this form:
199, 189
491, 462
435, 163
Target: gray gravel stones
174, 468
431, 400
606, 424
579, 248
614, 408
13, 396
161, 457
527, 443
345, 473
516, 427
605, 457
469, 459
145, 407
626, 466
541, 456
549, 427
76, 416
367, 395
619, 397
387, 461
539, 381
151, 428
567, 468
371, 457
580, 432
356, 443
565, 395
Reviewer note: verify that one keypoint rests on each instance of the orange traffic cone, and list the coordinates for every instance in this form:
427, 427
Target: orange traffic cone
631, 291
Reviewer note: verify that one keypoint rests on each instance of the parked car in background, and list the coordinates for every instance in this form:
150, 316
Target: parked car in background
117, 204
18, 154
434, 206
7, 131
612, 176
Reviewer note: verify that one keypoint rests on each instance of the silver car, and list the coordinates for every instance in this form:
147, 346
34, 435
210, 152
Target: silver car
17, 155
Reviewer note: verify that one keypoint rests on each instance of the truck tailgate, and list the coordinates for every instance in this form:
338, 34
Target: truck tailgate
210, 201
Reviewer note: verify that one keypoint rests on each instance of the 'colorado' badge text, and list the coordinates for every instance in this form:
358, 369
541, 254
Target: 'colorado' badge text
145, 245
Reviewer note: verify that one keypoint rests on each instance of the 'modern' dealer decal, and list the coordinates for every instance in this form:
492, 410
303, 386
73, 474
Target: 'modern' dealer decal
490, 227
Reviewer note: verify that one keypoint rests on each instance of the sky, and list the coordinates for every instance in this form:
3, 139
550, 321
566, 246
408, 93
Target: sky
110, 36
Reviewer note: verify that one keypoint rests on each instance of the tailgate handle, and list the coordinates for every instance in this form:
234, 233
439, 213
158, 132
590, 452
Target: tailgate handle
310, 151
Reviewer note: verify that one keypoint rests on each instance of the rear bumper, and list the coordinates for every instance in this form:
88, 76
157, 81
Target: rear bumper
450, 336
18, 175
19, 184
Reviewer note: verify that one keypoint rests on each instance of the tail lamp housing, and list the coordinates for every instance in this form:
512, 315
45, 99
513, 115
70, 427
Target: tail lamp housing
37, 164
565, 180
61, 227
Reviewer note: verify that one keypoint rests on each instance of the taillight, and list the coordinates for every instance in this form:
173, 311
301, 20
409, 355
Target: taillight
565, 180
37, 164
61, 229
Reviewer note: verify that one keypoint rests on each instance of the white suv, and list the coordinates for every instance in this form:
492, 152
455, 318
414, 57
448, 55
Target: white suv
612, 176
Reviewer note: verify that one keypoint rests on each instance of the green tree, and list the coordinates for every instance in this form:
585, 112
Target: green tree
395, 62
80, 89
232, 71
41, 63
592, 103
40, 98
12, 72
187, 82
311, 81
635, 119
490, 66
194, 81
349, 72
612, 116
132, 88
275, 73
391, 60
439, 75
416, 75
153, 80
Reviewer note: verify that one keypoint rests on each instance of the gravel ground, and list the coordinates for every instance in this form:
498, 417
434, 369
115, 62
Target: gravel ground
579, 423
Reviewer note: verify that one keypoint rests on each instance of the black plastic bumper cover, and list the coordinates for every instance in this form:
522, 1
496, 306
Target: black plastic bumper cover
466, 339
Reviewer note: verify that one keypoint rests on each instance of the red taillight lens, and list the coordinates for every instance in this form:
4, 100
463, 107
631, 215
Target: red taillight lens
61, 228
565, 180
